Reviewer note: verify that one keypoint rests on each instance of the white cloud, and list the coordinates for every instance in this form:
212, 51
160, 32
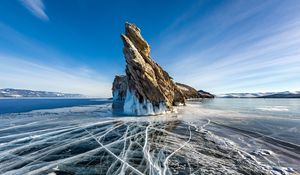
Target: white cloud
37, 8
46, 68
256, 50
19, 73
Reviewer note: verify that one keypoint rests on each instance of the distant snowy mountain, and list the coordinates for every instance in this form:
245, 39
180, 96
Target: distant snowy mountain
285, 94
8, 92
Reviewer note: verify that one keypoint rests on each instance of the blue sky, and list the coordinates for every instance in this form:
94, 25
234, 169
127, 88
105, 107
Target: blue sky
218, 46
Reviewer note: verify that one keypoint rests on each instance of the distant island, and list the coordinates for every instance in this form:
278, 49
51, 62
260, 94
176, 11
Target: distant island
19, 93
284, 94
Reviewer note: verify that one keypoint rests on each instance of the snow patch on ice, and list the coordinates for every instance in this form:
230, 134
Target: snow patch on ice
222, 142
273, 108
52, 173
282, 170
263, 152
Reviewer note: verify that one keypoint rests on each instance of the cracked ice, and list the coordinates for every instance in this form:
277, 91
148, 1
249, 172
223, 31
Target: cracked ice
77, 141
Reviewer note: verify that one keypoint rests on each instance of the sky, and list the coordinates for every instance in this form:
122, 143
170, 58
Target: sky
219, 46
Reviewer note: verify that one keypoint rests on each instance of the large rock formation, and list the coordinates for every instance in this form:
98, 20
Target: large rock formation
204, 94
146, 88
189, 92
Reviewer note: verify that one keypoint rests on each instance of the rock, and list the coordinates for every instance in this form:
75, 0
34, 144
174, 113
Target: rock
204, 94
146, 88
119, 91
190, 92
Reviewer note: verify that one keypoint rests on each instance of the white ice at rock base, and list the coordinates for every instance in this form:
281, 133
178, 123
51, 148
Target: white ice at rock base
132, 106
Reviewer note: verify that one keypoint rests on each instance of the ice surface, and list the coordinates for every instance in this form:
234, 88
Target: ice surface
273, 108
90, 140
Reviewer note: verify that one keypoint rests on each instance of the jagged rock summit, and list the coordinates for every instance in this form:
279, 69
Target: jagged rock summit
146, 89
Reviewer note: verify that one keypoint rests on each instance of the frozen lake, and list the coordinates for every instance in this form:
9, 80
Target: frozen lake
84, 136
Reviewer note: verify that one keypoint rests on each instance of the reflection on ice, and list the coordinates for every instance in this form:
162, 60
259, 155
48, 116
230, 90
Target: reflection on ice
81, 142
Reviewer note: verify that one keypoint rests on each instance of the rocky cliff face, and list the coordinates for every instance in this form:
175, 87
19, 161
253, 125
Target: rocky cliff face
146, 88
204, 94
190, 92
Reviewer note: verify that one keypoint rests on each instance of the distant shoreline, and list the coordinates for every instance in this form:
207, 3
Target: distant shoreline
20, 98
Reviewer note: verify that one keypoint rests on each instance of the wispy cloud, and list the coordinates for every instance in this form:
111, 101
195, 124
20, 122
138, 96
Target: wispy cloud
37, 8
45, 68
20, 73
238, 47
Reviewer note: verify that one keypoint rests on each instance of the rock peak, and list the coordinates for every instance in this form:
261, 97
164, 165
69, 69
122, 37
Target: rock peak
134, 35
131, 26
146, 88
